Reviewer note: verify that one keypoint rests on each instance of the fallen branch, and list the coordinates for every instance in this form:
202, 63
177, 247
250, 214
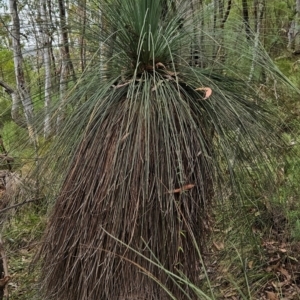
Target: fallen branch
5, 154
19, 204
8, 88
4, 277
6, 158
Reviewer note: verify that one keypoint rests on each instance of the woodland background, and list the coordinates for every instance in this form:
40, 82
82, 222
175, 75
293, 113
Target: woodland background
45, 49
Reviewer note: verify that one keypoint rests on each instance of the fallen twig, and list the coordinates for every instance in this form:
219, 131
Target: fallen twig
7, 158
4, 277
19, 204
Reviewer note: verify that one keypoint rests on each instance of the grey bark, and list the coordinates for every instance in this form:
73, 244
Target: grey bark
16, 103
22, 89
297, 28
45, 40
294, 31
66, 63
260, 12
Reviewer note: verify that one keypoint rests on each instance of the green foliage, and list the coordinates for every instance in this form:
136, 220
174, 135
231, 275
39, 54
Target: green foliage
23, 153
7, 66
26, 226
289, 66
5, 111
21, 235
289, 187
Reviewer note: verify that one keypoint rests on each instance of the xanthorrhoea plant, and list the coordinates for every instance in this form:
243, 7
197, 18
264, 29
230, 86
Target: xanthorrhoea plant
148, 141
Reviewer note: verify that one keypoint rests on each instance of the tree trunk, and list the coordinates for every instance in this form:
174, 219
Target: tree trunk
297, 28
226, 14
45, 41
22, 88
259, 16
246, 19
82, 36
4, 277
16, 103
66, 63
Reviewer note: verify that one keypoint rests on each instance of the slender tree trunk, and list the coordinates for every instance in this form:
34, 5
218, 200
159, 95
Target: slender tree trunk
66, 64
82, 37
63, 86
221, 9
15, 109
51, 38
199, 5
216, 7
195, 44
64, 33
297, 28
22, 88
45, 39
4, 277
259, 16
226, 14
246, 19
16, 104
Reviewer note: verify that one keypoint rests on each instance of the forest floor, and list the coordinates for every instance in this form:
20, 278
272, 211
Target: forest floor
254, 259
269, 271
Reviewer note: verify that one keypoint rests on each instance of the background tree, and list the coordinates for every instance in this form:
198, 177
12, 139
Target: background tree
293, 33
45, 32
22, 88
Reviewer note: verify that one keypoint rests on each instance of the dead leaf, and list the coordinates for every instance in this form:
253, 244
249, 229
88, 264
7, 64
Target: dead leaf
182, 189
160, 65
282, 250
269, 269
279, 285
285, 273
250, 264
219, 246
122, 84
4, 281
157, 85
207, 90
271, 296
125, 136
229, 293
227, 230
174, 74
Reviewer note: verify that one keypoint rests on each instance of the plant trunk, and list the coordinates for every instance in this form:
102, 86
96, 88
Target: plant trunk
153, 198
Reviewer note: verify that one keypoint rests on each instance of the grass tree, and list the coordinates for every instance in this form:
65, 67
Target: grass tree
147, 147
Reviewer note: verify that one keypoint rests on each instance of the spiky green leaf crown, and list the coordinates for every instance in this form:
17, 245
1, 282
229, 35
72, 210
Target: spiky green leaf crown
142, 53
142, 32
135, 35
